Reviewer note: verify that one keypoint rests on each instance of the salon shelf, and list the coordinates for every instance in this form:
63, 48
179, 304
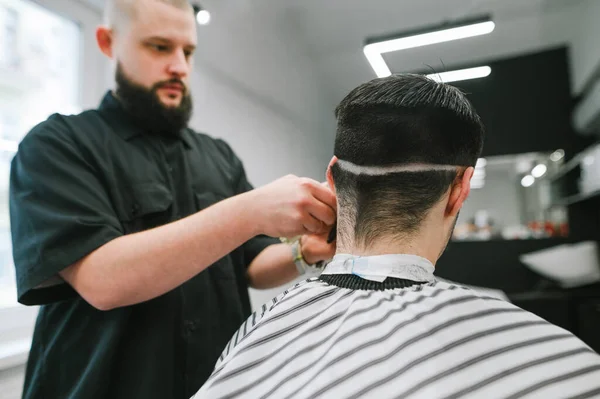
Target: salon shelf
577, 172
567, 167
573, 199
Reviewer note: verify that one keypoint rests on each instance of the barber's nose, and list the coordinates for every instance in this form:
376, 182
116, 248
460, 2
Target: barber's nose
179, 64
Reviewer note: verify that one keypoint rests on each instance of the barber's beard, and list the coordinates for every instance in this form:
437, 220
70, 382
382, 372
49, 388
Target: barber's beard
145, 106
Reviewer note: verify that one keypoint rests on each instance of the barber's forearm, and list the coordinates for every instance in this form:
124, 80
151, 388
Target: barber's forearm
272, 267
142, 266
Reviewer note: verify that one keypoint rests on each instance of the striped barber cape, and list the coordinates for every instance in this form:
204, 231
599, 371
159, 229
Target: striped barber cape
342, 335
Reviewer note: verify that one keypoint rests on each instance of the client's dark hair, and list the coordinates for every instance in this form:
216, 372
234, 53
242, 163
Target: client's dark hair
396, 120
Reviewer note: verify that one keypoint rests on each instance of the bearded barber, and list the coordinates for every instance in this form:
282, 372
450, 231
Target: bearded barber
138, 236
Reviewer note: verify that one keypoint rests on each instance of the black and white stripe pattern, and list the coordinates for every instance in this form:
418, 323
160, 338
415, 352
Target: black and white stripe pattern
436, 340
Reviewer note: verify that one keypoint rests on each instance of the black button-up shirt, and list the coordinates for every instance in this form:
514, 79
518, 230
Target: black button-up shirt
78, 182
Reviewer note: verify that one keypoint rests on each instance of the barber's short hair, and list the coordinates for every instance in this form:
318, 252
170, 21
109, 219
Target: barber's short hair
396, 120
118, 11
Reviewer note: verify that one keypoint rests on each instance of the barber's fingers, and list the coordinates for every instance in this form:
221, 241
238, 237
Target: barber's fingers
312, 225
321, 212
323, 193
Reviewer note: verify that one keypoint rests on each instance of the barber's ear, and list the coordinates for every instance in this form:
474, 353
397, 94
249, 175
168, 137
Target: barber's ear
329, 175
104, 38
459, 192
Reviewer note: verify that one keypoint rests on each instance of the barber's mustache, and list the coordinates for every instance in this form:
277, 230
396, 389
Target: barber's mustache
173, 81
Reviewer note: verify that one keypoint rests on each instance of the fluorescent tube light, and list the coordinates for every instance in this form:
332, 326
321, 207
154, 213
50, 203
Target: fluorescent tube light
461, 74
377, 62
374, 49
440, 36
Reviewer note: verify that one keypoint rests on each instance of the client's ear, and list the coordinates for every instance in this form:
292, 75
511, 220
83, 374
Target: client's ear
459, 192
329, 176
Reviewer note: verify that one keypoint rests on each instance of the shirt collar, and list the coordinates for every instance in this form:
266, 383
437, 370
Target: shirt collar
125, 126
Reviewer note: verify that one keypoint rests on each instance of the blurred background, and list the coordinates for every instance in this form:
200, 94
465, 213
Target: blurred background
268, 76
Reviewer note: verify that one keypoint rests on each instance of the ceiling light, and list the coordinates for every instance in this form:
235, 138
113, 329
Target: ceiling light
202, 15
461, 74
539, 171
527, 181
377, 62
424, 37
557, 155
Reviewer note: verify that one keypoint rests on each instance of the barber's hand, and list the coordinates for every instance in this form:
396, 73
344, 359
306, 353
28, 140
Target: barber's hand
292, 206
314, 248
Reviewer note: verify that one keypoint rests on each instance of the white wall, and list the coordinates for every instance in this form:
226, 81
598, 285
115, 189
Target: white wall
255, 87
585, 51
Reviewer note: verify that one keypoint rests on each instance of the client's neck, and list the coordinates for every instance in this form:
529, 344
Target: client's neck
426, 244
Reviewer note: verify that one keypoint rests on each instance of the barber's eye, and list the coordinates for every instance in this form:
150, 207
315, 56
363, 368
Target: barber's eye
159, 47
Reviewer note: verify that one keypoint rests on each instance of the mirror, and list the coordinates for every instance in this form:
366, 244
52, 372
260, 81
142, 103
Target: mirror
511, 199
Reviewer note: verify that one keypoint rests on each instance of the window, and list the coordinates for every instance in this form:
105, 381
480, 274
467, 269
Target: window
39, 75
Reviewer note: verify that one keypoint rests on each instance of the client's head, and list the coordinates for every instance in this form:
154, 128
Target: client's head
405, 149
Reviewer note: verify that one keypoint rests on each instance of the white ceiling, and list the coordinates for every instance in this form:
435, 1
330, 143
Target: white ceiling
334, 32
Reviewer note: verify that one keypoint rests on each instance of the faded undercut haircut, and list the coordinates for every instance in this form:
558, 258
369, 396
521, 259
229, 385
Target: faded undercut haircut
399, 120
118, 11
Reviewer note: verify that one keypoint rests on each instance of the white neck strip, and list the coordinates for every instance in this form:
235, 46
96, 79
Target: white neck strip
379, 267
